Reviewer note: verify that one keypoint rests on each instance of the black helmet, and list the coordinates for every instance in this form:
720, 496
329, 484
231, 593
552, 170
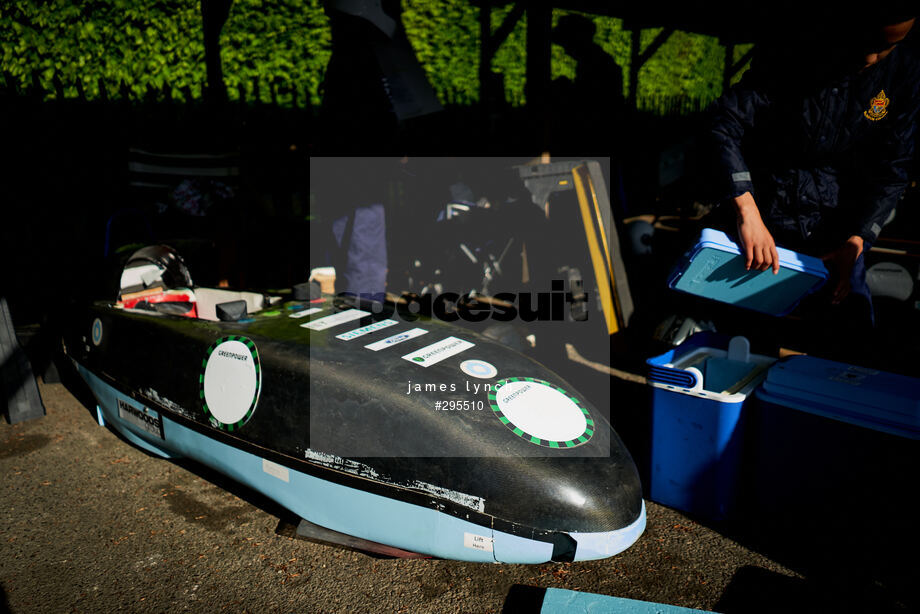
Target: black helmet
154, 266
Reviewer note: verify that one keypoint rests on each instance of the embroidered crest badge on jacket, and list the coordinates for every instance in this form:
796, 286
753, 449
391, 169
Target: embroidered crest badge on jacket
878, 107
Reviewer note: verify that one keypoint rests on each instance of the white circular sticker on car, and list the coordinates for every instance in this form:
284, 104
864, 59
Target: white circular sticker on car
97, 331
478, 368
230, 381
541, 412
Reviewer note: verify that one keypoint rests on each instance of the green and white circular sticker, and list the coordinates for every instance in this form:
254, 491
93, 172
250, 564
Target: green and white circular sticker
541, 413
230, 382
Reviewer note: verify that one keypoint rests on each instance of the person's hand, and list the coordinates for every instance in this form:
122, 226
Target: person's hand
840, 262
757, 242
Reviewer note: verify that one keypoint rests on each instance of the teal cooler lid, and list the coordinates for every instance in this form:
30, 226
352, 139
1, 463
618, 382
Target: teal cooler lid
873, 399
714, 269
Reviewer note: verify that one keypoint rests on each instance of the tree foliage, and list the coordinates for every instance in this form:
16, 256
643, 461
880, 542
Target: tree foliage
283, 41
158, 44
138, 42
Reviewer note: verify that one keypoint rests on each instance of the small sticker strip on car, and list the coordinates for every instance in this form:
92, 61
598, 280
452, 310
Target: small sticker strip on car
436, 352
360, 332
306, 312
274, 469
397, 338
477, 542
145, 419
335, 319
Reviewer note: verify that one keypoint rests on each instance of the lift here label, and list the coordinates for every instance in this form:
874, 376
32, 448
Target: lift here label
477, 542
436, 352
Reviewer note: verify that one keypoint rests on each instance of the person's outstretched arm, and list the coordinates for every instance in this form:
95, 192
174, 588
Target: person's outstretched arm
736, 112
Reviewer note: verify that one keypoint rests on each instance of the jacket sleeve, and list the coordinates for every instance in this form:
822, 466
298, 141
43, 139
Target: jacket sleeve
887, 175
887, 160
735, 113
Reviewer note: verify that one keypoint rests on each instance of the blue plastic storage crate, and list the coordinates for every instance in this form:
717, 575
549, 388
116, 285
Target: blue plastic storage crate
869, 398
699, 390
834, 455
714, 269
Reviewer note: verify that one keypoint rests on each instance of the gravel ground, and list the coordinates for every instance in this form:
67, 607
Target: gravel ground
92, 524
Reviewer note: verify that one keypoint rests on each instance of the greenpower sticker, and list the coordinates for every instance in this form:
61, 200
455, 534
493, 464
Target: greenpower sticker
230, 382
436, 352
541, 413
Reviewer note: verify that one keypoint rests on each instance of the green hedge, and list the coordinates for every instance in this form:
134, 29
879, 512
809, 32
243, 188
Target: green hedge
687, 66
158, 43
145, 42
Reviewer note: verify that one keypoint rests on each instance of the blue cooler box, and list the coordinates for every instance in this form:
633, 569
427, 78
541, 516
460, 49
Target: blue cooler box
714, 269
699, 390
834, 455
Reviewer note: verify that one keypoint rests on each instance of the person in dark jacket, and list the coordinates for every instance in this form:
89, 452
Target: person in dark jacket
814, 145
349, 227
